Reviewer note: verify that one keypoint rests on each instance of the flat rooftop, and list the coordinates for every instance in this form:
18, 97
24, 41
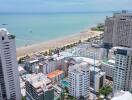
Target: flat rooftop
55, 73
62, 55
79, 67
88, 60
38, 80
123, 95
94, 49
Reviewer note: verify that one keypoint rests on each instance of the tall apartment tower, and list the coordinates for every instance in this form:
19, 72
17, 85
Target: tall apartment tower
118, 30
9, 77
79, 80
123, 69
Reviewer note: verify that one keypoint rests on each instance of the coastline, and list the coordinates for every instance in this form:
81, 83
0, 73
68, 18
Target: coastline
44, 46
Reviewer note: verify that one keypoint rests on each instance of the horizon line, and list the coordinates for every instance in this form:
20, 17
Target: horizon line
112, 11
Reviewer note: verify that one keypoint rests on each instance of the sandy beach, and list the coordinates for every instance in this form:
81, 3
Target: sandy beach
29, 50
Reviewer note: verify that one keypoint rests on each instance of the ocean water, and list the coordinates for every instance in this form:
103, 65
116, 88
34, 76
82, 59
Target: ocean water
39, 27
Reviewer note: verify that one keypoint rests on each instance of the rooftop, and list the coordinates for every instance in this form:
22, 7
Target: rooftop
55, 73
122, 48
39, 80
33, 61
20, 68
79, 67
88, 60
109, 62
123, 95
4, 32
62, 55
94, 49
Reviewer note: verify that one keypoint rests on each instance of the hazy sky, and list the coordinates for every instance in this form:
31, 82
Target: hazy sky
64, 5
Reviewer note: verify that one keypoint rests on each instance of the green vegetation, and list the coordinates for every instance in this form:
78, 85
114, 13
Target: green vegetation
79, 41
45, 53
105, 90
65, 95
23, 98
50, 52
11, 36
21, 60
99, 27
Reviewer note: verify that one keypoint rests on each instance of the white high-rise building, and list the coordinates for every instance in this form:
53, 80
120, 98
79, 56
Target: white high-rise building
9, 77
123, 69
118, 30
79, 80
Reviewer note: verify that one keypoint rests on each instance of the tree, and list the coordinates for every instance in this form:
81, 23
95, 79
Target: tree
105, 90
45, 53
68, 46
66, 90
20, 60
24, 98
50, 52
79, 41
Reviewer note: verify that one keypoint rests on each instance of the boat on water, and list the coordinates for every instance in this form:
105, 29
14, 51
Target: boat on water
4, 24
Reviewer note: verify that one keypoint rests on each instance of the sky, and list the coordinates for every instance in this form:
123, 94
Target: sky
64, 5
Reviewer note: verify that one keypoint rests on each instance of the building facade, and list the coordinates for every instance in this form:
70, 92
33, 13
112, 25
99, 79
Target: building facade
79, 80
108, 68
39, 87
118, 30
9, 76
99, 77
123, 69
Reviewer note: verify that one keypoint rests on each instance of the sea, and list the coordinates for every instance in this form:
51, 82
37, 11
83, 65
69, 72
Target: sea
31, 28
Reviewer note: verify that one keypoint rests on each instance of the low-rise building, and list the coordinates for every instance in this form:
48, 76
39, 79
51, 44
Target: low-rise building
31, 65
21, 70
49, 65
93, 51
39, 87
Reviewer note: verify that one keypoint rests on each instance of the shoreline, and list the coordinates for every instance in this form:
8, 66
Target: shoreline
44, 46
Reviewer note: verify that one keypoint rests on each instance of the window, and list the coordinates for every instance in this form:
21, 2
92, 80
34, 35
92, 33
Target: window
3, 38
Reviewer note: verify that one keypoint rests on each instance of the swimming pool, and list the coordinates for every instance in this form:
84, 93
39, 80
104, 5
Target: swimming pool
64, 83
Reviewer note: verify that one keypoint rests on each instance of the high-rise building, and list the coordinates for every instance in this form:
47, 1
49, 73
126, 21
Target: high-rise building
123, 69
97, 79
39, 87
9, 77
118, 30
79, 80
